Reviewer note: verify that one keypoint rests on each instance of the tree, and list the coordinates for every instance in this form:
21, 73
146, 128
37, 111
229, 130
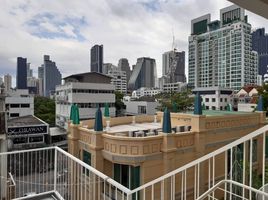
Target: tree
119, 105
182, 100
44, 108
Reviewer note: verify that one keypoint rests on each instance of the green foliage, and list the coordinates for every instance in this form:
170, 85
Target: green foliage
119, 105
44, 108
181, 100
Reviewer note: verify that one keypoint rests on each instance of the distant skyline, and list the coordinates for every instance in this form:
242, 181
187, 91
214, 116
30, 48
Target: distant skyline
66, 30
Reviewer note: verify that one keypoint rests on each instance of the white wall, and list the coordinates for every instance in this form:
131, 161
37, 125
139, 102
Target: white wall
132, 107
246, 107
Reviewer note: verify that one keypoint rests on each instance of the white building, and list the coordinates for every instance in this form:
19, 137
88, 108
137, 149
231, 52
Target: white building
19, 103
174, 87
220, 52
7, 82
140, 107
145, 92
88, 91
119, 79
215, 98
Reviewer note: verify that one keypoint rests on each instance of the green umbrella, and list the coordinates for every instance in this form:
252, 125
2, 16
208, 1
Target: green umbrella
229, 107
174, 107
166, 122
76, 117
197, 104
106, 110
98, 121
72, 112
203, 106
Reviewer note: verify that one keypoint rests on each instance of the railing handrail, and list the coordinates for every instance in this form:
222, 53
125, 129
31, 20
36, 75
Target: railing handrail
203, 158
25, 151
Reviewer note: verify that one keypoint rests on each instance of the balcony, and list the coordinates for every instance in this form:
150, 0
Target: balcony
235, 171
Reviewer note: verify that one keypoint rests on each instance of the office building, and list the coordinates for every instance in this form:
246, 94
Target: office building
21, 73
106, 67
123, 65
220, 52
88, 91
19, 103
29, 70
50, 75
260, 45
173, 66
96, 58
1, 81
7, 82
119, 79
144, 74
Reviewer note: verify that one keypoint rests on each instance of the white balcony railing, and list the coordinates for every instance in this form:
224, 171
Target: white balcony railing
52, 171
235, 171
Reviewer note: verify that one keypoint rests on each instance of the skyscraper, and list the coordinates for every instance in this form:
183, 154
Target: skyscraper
96, 58
123, 65
260, 44
21, 73
144, 74
220, 52
7, 82
29, 70
174, 58
51, 76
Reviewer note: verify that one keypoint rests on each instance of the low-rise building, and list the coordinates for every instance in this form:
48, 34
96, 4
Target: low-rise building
215, 98
19, 103
26, 132
134, 150
141, 107
174, 87
119, 79
145, 92
89, 91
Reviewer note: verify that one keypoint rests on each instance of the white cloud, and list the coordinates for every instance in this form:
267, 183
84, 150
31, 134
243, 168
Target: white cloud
129, 29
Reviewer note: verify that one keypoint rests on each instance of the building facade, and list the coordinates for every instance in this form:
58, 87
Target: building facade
19, 103
260, 45
174, 87
173, 66
21, 73
89, 91
119, 79
220, 52
50, 75
145, 92
215, 98
141, 152
96, 58
123, 65
7, 82
144, 74
141, 107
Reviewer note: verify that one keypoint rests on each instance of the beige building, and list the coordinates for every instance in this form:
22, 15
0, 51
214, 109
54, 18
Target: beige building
134, 150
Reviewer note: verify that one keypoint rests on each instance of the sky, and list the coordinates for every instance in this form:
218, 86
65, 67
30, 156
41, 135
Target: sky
67, 29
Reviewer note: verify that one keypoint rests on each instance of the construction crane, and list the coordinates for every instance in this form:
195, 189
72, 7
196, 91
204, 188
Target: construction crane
171, 71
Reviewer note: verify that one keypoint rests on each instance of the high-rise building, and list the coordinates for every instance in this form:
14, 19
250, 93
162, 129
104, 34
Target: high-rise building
51, 76
96, 58
21, 73
123, 65
144, 74
260, 44
119, 79
173, 66
220, 52
29, 70
7, 82
1, 81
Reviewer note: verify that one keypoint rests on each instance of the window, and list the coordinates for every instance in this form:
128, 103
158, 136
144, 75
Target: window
213, 100
87, 160
207, 99
213, 108
14, 115
126, 175
141, 109
225, 99
14, 105
25, 105
220, 99
207, 107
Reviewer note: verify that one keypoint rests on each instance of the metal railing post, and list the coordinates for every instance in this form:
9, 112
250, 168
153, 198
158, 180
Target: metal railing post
55, 170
